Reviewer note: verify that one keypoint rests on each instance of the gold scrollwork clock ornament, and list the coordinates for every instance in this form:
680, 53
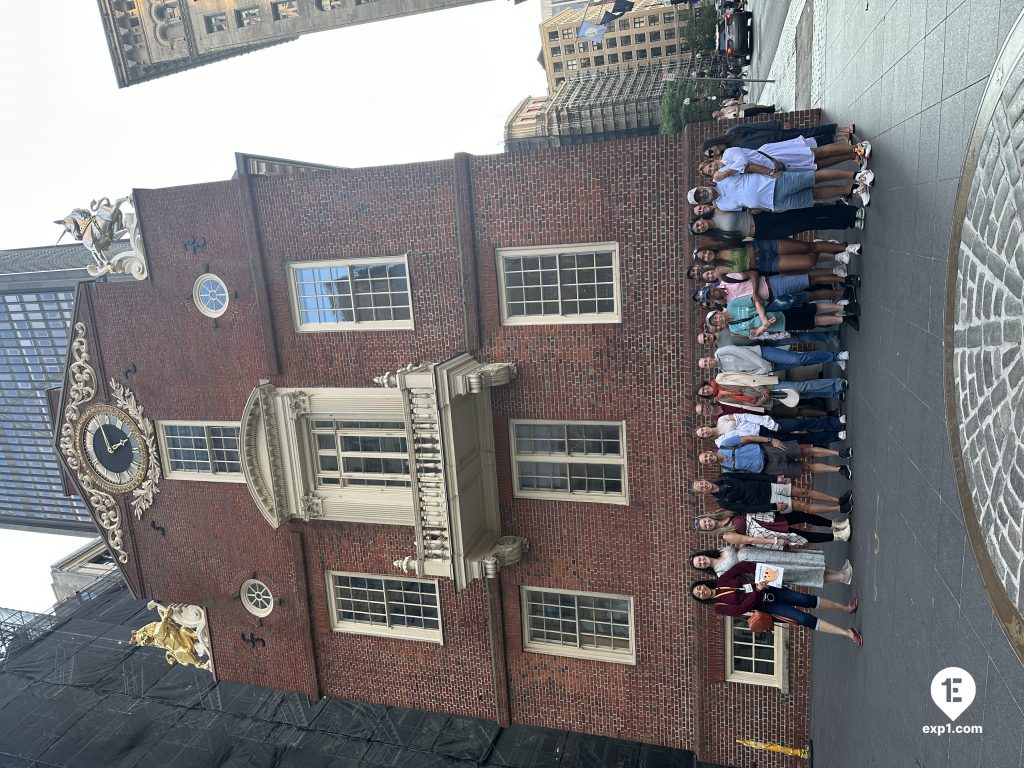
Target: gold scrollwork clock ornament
112, 449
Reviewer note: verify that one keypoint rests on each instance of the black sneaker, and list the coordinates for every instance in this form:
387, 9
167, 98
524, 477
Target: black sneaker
846, 472
846, 498
851, 322
852, 310
852, 280
846, 509
846, 453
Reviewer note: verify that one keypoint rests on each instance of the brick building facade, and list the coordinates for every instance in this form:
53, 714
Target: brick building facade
315, 483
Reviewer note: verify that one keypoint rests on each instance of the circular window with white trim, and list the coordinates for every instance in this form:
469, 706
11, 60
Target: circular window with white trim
256, 598
210, 295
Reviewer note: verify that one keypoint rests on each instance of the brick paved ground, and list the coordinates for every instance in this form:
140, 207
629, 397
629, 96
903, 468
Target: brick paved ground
912, 75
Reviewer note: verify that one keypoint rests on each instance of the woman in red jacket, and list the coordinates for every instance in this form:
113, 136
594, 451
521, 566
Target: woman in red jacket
734, 595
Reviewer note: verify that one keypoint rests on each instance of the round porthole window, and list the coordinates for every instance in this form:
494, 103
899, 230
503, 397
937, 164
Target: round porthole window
256, 598
210, 295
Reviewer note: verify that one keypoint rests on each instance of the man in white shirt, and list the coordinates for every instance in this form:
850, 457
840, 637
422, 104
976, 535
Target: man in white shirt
812, 431
760, 359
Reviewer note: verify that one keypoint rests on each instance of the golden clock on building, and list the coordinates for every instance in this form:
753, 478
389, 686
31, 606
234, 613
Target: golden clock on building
112, 449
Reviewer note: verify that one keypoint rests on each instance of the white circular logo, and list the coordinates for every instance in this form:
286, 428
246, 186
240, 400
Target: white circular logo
953, 691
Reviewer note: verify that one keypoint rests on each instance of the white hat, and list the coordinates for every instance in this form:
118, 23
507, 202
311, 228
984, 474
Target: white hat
707, 317
692, 196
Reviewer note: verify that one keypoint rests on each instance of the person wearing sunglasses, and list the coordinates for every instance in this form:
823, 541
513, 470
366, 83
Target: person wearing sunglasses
756, 134
732, 227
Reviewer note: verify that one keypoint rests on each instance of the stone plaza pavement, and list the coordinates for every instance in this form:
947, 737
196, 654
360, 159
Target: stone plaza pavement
913, 76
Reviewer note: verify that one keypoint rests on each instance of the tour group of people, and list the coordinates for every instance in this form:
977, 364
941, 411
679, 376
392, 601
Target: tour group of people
770, 303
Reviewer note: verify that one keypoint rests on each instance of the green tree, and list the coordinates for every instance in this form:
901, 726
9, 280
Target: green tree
687, 101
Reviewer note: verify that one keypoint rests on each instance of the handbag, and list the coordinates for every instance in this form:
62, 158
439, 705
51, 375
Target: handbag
760, 621
778, 166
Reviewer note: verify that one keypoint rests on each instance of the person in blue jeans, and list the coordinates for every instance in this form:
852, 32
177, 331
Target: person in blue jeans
734, 594
762, 359
726, 339
747, 390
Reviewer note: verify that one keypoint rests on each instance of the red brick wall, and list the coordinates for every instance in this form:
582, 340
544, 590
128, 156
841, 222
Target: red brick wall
640, 371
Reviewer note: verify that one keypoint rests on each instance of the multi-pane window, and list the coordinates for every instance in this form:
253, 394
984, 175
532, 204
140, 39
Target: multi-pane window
754, 657
585, 62
598, 61
582, 46
573, 461
201, 450
556, 66
376, 605
571, 64
569, 49
553, 34
626, 40
670, 34
670, 50
640, 38
596, 46
652, 20
248, 17
360, 453
642, 53
611, 42
568, 34
556, 50
588, 625
627, 55
655, 35
216, 22
613, 58
351, 294
668, 18
656, 51
285, 9
329, 5
623, 23
639, 21
560, 284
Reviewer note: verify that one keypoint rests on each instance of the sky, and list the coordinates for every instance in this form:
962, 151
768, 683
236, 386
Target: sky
417, 88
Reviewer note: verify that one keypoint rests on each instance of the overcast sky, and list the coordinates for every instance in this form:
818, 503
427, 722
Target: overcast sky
417, 88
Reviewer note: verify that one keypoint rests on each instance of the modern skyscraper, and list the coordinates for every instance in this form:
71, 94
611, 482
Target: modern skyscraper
153, 38
37, 290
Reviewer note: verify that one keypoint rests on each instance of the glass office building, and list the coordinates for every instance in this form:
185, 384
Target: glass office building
37, 291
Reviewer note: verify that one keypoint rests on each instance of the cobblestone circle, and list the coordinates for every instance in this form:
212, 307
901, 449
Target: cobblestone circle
988, 319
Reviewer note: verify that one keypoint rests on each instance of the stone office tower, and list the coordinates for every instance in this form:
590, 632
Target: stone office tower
153, 38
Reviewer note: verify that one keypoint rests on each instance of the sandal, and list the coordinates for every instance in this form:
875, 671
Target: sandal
866, 177
864, 194
853, 605
858, 638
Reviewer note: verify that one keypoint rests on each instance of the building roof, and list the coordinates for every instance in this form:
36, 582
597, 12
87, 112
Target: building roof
47, 258
73, 692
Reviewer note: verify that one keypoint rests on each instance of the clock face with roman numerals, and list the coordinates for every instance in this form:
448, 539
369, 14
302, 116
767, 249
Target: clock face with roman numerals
111, 449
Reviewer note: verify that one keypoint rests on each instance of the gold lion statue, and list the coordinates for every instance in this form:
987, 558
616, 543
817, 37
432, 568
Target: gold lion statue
178, 641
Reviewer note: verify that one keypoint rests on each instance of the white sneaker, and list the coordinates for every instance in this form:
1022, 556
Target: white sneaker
864, 195
847, 571
841, 364
866, 177
841, 534
844, 355
839, 270
843, 302
853, 248
842, 418
841, 258
841, 435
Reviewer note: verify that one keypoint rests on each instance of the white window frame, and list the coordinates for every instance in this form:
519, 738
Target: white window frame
344, 475
778, 680
362, 325
403, 633
614, 316
553, 649
568, 495
209, 477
